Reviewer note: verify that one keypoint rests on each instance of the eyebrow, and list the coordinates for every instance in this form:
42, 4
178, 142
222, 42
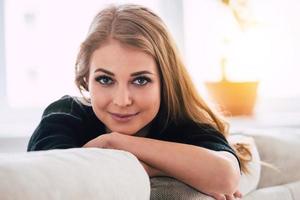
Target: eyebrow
133, 74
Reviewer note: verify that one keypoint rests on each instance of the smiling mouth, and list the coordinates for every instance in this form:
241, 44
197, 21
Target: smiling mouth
123, 117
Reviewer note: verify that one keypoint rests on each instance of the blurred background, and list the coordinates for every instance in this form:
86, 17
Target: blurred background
221, 41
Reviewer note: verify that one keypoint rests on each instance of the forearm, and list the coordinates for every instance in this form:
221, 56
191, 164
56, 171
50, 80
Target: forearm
201, 168
152, 172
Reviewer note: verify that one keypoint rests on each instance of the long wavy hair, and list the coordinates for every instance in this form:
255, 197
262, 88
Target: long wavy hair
138, 26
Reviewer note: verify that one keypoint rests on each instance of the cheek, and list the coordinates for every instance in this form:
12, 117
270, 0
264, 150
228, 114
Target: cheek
99, 98
99, 101
149, 100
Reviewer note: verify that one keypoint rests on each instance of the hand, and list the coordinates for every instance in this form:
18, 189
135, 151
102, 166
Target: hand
102, 141
151, 171
236, 195
107, 141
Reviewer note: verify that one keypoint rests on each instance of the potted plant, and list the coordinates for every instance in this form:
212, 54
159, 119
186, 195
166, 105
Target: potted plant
234, 97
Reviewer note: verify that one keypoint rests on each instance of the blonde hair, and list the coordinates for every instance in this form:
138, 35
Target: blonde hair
139, 27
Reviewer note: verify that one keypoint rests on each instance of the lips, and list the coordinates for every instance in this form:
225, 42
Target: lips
123, 117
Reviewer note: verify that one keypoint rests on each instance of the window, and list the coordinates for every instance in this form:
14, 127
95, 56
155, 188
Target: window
268, 51
39, 41
42, 39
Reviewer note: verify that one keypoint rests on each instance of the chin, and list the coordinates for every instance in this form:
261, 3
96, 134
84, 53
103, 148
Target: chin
125, 131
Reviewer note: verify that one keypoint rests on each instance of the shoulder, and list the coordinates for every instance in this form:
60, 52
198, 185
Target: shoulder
190, 128
199, 134
68, 106
202, 133
193, 128
65, 123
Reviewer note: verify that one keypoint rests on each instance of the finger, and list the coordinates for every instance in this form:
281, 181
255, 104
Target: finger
219, 196
229, 197
238, 194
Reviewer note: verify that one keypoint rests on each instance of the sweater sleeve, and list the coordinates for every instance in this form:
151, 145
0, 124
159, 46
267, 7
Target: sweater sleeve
201, 135
206, 136
59, 128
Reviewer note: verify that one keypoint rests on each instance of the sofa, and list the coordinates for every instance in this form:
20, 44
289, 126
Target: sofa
81, 173
275, 173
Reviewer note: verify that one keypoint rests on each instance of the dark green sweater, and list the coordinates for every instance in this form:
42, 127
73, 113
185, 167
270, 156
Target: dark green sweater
67, 123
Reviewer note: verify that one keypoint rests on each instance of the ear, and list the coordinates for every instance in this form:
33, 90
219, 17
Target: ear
85, 83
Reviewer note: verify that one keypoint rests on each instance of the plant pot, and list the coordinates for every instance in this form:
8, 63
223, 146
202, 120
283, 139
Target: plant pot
233, 98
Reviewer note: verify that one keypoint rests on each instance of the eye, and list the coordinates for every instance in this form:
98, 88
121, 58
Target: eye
142, 80
104, 80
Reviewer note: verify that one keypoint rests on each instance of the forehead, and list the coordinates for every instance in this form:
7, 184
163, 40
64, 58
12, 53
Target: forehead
118, 57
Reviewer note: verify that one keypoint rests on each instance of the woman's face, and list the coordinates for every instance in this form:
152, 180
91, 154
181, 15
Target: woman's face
124, 86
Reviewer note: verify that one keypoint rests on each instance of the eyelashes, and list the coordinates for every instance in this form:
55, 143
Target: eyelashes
141, 80
138, 81
104, 80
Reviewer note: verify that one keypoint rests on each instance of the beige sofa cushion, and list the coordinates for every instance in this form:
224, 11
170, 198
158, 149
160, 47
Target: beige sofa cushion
289, 191
281, 149
73, 174
248, 182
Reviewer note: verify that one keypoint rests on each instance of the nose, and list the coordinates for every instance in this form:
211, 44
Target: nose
122, 97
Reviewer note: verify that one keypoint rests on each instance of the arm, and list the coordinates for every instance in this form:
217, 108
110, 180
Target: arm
151, 171
206, 170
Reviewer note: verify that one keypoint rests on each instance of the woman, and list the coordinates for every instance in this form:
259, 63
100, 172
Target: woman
142, 100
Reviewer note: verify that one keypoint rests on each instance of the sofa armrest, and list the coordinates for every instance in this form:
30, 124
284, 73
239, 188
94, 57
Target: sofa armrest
79, 173
167, 188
